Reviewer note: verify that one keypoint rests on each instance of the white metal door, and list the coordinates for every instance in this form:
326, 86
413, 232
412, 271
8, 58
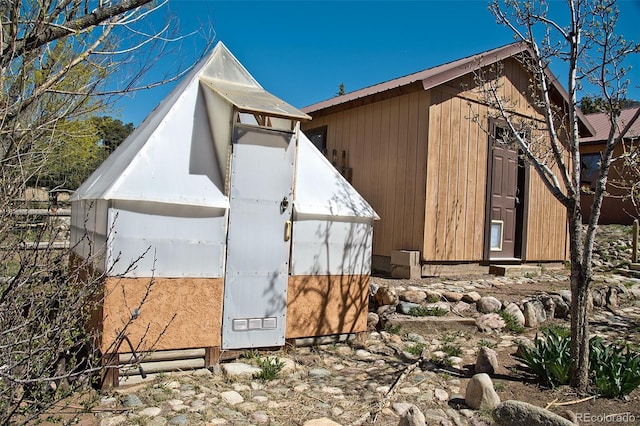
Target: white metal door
258, 244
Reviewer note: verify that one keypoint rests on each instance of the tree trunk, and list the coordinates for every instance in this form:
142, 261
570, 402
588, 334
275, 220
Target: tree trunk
580, 280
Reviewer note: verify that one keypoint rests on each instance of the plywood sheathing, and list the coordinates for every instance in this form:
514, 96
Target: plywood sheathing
179, 313
324, 305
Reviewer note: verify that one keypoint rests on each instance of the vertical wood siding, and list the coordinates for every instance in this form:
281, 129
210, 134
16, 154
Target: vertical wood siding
386, 149
421, 162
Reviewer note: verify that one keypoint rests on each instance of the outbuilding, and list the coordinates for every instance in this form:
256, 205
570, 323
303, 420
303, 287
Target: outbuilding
217, 226
426, 151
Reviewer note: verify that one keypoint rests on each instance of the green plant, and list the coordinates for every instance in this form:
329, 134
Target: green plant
451, 349
269, 368
614, 368
251, 354
559, 330
499, 387
393, 328
451, 336
487, 344
549, 358
422, 311
415, 349
433, 298
510, 322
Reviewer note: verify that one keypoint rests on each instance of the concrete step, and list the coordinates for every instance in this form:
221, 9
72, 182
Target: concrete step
515, 270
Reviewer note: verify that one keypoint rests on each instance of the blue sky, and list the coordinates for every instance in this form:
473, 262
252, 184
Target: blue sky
301, 51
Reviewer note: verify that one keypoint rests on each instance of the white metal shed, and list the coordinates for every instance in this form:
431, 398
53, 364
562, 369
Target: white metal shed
244, 224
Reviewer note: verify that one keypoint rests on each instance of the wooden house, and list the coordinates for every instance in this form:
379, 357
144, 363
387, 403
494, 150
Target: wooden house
617, 206
440, 186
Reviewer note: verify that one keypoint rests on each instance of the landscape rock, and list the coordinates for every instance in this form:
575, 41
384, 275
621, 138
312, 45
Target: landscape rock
487, 361
566, 296
321, 422
612, 297
412, 417
488, 304
530, 317
386, 296
405, 307
452, 296
413, 296
549, 306
515, 312
239, 369
372, 321
540, 311
562, 308
488, 322
471, 297
516, 413
480, 393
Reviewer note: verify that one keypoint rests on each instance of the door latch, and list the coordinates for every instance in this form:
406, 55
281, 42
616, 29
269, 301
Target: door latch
284, 204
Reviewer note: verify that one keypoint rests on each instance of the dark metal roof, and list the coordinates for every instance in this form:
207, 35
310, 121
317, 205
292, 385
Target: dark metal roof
601, 124
435, 76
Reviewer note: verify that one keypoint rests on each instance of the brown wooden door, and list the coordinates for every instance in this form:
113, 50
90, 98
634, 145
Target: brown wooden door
504, 193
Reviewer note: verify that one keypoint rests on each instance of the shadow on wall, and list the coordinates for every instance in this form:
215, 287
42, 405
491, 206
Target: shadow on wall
329, 287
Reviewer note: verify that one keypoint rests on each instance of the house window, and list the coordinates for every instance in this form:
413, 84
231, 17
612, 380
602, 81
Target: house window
496, 235
318, 136
590, 169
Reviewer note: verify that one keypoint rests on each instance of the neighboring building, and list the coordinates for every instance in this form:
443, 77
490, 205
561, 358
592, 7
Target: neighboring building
222, 217
617, 207
440, 186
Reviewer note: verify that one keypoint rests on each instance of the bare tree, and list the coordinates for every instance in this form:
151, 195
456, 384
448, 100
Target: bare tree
593, 55
60, 61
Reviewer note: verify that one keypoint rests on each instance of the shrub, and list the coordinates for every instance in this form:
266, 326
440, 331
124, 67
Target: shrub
415, 348
615, 369
269, 368
549, 358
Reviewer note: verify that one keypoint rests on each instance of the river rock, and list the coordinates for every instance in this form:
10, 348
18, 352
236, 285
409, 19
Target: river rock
386, 296
516, 413
515, 312
489, 322
480, 393
488, 304
487, 361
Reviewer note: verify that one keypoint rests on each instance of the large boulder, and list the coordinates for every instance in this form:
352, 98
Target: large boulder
480, 393
516, 413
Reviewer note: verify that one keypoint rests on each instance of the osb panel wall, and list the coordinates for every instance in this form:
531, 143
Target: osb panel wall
182, 312
325, 305
385, 143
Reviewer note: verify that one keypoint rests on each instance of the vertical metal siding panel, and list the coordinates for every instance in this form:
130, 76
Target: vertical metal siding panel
433, 176
443, 242
355, 157
466, 165
457, 188
421, 171
367, 186
399, 225
411, 220
481, 185
390, 185
384, 246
